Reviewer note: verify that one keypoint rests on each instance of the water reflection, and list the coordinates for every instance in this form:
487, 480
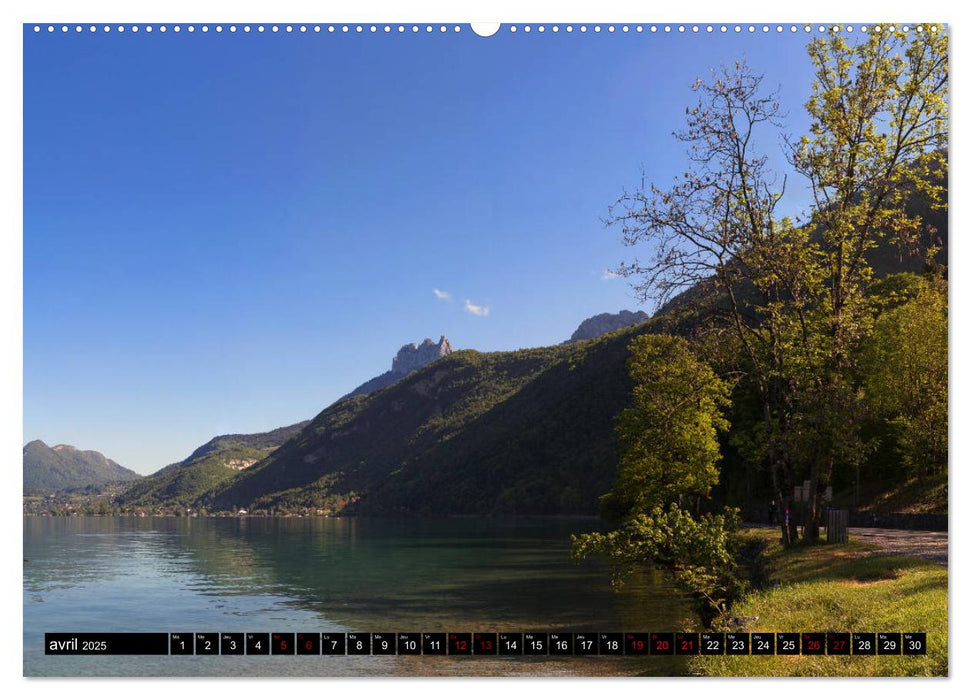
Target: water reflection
169, 574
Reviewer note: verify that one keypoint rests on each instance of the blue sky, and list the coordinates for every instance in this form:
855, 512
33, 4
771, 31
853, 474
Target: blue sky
225, 233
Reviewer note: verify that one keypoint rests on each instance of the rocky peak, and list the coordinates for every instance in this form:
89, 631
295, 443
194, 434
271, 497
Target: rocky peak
411, 357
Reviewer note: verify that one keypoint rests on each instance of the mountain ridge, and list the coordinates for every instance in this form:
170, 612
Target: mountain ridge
598, 325
65, 467
392, 451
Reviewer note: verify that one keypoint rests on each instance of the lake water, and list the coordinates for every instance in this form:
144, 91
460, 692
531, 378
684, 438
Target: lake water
103, 574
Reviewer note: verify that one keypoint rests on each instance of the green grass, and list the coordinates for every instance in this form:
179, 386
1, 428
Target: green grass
841, 588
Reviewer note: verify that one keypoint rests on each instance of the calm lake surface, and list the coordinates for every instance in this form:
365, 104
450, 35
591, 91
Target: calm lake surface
103, 574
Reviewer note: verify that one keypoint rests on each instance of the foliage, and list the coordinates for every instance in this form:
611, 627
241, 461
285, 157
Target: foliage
878, 134
895, 289
669, 452
905, 377
668, 437
698, 552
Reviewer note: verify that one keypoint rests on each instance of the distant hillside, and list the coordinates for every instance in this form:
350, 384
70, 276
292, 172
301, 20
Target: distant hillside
215, 462
256, 441
64, 468
598, 325
529, 431
408, 359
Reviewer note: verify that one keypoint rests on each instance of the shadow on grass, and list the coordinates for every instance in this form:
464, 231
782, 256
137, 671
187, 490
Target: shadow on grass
837, 562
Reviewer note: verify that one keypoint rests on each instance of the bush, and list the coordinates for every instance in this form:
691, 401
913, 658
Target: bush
699, 553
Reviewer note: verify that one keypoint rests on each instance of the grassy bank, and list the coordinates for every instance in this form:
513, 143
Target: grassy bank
840, 588
924, 495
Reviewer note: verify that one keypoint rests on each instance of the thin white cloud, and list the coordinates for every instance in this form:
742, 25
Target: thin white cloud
475, 309
609, 275
444, 296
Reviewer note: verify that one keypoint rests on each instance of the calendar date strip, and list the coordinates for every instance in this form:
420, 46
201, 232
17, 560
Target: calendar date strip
494, 644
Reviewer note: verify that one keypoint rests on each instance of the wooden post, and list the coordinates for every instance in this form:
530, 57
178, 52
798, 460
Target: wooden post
836, 519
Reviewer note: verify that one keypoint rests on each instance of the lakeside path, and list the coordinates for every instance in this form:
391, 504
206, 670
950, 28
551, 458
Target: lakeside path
910, 543
923, 544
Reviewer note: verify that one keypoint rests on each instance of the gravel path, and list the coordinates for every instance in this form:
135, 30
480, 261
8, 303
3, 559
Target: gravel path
912, 543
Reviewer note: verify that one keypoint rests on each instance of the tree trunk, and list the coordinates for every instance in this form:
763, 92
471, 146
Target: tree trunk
790, 534
781, 481
823, 480
810, 530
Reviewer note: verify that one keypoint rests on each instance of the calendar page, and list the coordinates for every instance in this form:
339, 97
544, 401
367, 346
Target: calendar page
365, 349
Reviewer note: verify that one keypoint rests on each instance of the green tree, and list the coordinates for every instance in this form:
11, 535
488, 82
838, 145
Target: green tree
669, 436
698, 552
716, 231
669, 455
905, 377
795, 296
896, 289
878, 135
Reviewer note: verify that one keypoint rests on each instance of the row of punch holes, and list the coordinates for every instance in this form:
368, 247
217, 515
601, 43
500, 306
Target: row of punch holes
442, 29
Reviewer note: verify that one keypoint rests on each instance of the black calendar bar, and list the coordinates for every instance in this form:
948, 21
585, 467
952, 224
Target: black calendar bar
492, 644
106, 643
